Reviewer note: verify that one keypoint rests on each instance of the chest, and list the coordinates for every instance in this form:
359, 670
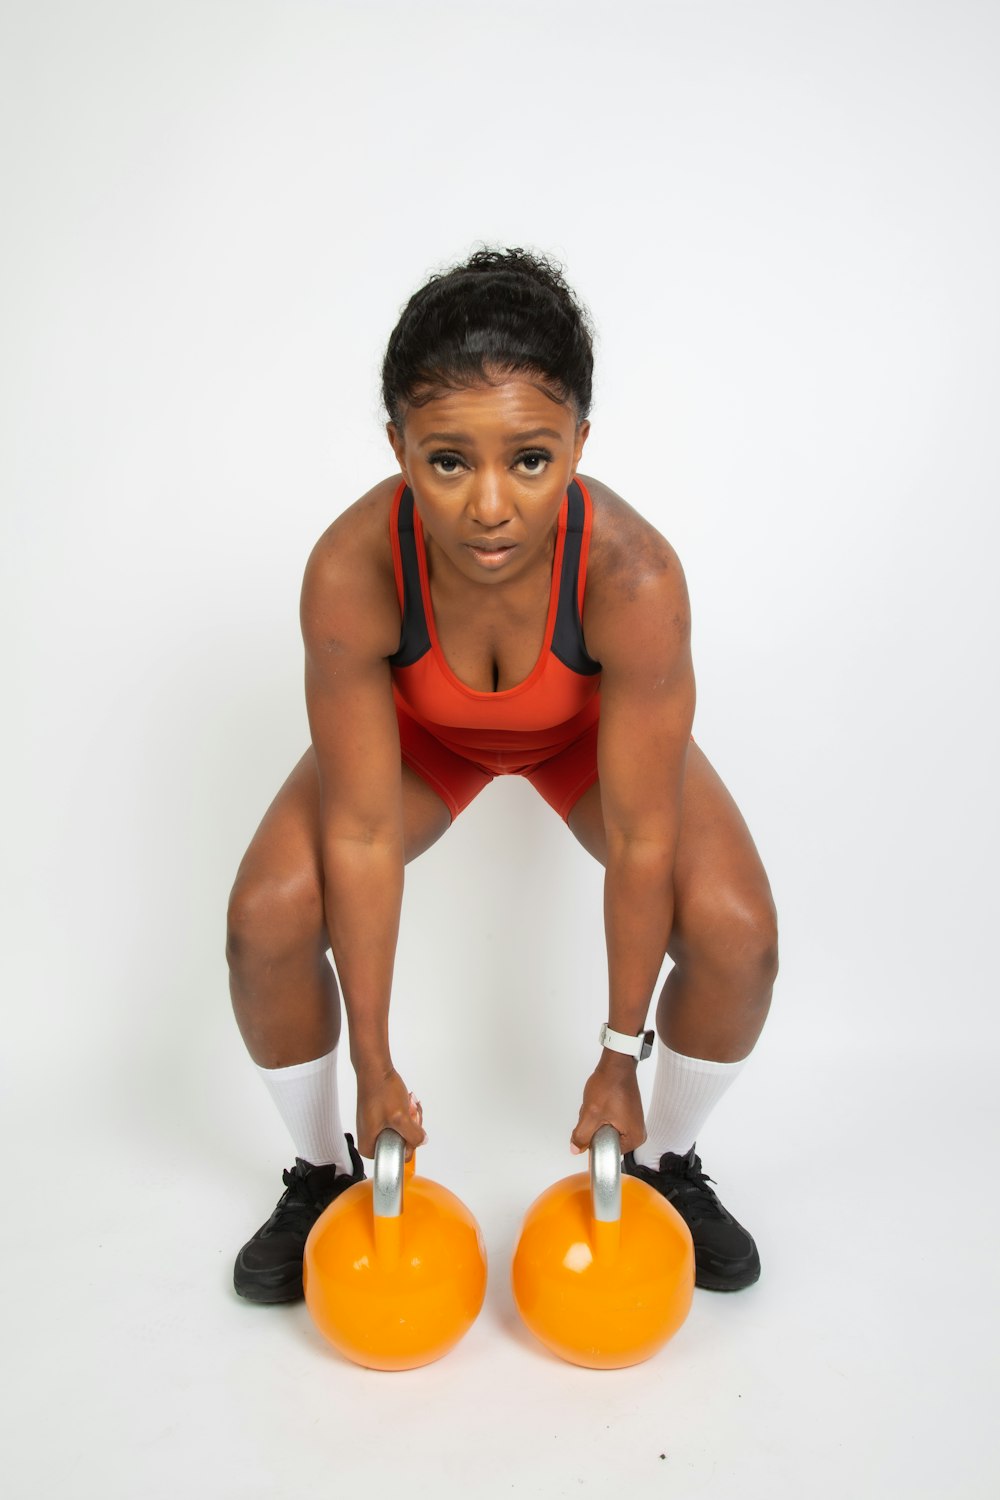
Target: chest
492, 644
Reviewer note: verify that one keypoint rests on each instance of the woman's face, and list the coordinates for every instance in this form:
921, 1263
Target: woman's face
489, 467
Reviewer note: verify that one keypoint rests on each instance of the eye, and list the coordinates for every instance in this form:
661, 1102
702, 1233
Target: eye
445, 463
535, 458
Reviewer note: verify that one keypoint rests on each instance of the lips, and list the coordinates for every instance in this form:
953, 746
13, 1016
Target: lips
490, 554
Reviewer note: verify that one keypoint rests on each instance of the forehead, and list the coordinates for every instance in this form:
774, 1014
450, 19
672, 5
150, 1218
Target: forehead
491, 412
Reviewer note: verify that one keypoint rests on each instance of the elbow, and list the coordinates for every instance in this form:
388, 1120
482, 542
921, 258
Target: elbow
361, 841
641, 857
642, 844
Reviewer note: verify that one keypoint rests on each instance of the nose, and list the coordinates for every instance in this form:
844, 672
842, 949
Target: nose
488, 504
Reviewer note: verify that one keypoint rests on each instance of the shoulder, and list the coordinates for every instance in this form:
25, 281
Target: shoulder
349, 587
626, 550
362, 530
634, 576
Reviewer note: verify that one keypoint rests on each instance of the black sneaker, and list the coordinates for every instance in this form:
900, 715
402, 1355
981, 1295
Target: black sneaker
269, 1267
725, 1256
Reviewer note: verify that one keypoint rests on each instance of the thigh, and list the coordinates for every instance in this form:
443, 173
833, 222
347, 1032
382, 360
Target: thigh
285, 853
564, 778
718, 875
456, 780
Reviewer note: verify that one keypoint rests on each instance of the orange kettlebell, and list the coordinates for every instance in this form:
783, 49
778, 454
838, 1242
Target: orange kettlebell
394, 1285
603, 1273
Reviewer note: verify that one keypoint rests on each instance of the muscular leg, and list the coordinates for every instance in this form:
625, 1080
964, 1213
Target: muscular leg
283, 989
724, 940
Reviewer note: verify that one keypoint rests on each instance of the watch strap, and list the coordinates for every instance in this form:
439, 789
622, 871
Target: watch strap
639, 1046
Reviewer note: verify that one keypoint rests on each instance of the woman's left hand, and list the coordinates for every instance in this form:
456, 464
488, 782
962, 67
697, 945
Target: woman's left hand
611, 1097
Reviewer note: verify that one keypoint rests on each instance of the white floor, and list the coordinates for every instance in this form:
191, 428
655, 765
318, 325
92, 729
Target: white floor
863, 1362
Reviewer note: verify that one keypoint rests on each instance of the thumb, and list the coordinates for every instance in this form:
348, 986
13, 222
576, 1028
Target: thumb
416, 1110
579, 1141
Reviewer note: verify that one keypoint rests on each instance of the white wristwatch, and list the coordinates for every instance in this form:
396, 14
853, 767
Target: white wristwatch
638, 1046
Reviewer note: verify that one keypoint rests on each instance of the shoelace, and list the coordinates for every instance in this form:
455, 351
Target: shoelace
692, 1183
295, 1201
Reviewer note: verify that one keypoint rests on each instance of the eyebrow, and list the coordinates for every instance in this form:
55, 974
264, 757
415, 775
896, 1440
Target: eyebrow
517, 437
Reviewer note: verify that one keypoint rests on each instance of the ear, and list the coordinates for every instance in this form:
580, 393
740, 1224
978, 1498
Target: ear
398, 447
582, 434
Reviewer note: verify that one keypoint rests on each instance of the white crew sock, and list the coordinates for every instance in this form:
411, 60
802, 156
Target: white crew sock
685, 1091
307, 1100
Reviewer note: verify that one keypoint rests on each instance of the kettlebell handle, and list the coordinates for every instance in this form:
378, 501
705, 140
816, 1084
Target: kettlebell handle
387, 1181
605, 1175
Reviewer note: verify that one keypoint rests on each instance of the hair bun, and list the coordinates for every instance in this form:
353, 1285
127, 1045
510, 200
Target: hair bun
503, 309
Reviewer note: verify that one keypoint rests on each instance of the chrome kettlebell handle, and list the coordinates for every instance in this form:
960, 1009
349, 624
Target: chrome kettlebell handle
387, 1180
606, 1175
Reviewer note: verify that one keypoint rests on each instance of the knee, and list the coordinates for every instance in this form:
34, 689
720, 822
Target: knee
736, 931
271, 919
761, 937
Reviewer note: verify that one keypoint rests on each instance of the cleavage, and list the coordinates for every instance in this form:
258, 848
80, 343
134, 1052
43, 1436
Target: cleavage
495, 653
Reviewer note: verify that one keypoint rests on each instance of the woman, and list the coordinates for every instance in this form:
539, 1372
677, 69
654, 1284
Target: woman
493, 612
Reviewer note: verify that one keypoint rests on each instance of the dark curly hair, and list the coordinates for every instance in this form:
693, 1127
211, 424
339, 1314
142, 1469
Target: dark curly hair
501, 312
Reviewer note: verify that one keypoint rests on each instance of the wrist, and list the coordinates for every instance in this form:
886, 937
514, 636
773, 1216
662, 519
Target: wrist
372, 1066
616, 1064
630, 1044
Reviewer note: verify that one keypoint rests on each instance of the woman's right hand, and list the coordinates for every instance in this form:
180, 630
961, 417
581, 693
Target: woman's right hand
384, 1102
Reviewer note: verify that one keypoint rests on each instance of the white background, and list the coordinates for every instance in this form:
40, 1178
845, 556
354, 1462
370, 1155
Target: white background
784, 217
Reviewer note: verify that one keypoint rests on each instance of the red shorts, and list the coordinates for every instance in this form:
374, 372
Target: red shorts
562, 779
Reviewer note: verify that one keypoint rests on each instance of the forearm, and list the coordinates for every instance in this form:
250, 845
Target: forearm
638, 915
638, 910
364, 891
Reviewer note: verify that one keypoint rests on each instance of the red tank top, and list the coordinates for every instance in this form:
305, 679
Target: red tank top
520, 726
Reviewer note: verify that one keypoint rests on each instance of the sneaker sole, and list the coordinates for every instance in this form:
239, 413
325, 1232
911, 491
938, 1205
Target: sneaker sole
710, 1283
256, 1293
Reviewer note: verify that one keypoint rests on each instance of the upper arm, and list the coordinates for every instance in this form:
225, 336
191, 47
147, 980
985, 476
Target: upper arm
350, 625
642, 636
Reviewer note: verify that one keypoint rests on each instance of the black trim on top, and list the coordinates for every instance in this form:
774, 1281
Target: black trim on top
567, 638
414, 637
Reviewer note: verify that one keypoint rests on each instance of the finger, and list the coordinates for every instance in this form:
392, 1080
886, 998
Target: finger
413, 1134
410, 1140
410, 1129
